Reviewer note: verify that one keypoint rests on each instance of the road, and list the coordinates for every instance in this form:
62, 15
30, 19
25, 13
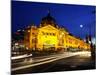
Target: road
53, 63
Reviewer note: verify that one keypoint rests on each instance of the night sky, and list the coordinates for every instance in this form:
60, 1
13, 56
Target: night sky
66, 15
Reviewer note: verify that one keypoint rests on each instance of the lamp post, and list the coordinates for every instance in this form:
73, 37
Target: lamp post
81, 26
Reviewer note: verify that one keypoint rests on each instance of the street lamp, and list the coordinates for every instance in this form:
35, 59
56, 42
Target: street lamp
81, 26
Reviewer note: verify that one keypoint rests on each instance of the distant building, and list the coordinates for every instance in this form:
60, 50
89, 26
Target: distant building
17, 44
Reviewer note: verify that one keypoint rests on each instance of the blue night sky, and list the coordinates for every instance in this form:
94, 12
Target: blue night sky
66, 15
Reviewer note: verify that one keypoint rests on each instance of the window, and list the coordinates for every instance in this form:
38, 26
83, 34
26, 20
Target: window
47, 33
50, 33
28, 30
53, 34
32, 40
33, 34
43, 33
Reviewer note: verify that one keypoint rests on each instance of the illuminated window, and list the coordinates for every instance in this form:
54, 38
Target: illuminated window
28, 30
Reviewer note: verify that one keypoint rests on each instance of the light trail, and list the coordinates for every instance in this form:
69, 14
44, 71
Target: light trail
21, 56
58, 57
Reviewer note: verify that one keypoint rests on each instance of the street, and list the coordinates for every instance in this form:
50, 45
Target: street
53, 63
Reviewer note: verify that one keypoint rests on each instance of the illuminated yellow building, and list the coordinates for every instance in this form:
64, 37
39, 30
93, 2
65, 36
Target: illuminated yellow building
49, 36
30, 37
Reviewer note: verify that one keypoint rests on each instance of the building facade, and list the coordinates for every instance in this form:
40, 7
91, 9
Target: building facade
49, 36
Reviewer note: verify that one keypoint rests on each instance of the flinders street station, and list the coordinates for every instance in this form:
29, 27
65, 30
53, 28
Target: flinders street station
50, 36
